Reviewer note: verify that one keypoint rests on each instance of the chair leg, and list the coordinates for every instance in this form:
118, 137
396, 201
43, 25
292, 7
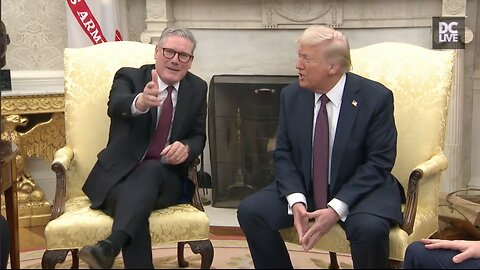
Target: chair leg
394, 264
180, 255
333, 261
205, 248
51, 258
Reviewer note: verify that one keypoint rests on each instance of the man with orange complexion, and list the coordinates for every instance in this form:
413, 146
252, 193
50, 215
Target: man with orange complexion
335, 149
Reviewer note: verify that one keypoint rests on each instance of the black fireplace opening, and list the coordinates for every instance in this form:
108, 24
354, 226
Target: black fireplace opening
242, 123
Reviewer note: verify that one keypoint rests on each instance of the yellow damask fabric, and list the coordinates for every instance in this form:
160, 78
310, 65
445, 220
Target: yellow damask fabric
421, 81
80, 225
89, 74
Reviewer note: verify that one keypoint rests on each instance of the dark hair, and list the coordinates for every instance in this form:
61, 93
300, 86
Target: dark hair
4, 41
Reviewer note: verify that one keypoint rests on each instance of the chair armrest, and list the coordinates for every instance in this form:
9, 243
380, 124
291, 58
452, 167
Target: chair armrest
60, 164
434, 165
63, 156
192, 175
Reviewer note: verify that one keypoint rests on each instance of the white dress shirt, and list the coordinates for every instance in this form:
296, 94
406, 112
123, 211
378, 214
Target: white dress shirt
163, 95
333, 109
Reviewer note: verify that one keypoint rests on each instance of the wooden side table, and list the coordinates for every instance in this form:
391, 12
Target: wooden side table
8, 184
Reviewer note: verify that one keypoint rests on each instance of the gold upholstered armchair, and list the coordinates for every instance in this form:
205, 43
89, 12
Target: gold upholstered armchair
421, 80
89, 73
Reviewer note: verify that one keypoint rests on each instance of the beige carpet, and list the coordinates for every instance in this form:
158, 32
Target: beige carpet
232, 254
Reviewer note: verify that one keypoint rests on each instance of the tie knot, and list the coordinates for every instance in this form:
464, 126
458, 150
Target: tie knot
324, 99
170, 89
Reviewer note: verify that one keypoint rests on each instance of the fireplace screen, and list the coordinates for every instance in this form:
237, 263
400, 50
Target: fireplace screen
242, 118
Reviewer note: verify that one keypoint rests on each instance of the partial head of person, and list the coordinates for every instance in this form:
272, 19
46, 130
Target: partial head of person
174, 54
323, 57
4, 41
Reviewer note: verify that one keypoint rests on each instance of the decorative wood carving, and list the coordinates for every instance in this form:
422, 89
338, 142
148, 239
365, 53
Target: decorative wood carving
454, 7
41, 139
291, 13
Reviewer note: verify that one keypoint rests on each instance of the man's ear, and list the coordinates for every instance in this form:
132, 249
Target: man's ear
334, 68
155, 52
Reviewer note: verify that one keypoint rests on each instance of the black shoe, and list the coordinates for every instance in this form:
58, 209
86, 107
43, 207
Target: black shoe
100, 256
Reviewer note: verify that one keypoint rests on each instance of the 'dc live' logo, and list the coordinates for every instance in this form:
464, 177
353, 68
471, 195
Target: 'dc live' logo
448, 32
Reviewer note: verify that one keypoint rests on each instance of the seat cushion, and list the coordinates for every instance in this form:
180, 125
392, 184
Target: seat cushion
336, 241
80, 225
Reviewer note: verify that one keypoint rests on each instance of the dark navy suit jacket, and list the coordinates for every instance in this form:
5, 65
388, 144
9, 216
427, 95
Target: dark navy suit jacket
130, 135
364, 148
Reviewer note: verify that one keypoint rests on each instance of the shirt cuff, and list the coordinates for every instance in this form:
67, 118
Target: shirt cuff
134, 110
340, 207
293, 199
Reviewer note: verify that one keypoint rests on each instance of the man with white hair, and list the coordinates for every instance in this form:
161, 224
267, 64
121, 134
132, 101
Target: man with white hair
335, 149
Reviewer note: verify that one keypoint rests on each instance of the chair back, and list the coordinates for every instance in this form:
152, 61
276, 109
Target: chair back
421, 81
89, 72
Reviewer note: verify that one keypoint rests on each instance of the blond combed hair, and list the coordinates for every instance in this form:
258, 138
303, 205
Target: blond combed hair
337, 48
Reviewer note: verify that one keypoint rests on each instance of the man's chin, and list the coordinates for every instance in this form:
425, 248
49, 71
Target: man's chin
171, 78
302, 83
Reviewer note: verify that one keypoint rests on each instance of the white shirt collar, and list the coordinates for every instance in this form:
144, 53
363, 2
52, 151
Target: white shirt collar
335, 94
162, 86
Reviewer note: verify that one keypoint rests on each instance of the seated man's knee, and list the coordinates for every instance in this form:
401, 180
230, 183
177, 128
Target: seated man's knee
369, 228
247, 209
415, 255
415, 249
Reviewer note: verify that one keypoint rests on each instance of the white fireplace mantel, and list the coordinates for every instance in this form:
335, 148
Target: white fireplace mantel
290, 14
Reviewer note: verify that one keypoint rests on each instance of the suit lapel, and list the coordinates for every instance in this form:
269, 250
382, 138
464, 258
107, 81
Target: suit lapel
184, 92
346, 119
307, 101
153, 111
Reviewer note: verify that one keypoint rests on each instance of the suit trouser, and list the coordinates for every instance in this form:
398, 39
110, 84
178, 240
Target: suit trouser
4, 243
418, 257
152, 185
263, 213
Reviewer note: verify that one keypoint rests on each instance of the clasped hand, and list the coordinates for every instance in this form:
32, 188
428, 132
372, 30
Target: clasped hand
175, 153
308, 235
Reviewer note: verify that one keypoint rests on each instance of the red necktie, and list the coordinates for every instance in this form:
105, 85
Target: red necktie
159, 138
320, 156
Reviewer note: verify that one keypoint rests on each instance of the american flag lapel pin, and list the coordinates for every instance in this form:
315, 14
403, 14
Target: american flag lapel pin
354, 103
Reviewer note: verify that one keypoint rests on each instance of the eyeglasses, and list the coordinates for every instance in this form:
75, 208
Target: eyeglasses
182, 57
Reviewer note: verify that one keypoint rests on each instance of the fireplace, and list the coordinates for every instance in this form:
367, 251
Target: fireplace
242, 119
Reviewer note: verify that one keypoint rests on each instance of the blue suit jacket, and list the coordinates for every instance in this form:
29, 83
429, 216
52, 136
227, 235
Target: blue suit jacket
364, 148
